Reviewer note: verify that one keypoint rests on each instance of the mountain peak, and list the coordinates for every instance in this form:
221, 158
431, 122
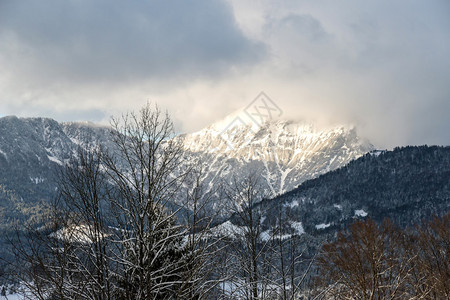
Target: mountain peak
239, 130
238, 118
256, 114
285, 152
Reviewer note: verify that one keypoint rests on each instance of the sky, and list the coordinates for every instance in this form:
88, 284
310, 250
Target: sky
383, 66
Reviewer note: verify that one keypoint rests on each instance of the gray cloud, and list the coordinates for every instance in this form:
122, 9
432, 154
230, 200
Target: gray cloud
383, 65
85, 41
303, 26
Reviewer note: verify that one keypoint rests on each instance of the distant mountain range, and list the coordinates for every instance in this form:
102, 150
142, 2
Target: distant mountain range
284, 153
34, 150
406, 184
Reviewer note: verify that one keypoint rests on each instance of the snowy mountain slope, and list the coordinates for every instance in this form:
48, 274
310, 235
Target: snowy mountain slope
408, 185
284, 153
32, 149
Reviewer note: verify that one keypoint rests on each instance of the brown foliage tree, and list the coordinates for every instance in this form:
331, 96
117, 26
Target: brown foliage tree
431, 242
366, 262
371, 261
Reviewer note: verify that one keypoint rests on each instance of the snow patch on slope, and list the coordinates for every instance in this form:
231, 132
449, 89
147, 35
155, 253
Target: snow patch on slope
292, 204
4, 154
322, 226
360, 213
37, 180
55, 160
228, 229
298, 227
338, 206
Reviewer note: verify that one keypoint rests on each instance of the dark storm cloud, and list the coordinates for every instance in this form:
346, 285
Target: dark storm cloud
107, 40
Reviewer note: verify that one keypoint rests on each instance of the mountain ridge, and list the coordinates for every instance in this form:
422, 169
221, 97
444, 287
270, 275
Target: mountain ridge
285, 153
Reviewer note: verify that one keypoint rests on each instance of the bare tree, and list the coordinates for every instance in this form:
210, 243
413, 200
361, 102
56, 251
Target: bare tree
68, 256
117, 233
84, 192
290, 266
144, 171
199, 281
247, 250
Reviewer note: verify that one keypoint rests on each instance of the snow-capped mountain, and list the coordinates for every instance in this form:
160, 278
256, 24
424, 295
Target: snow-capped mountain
38, 141
285, 153
32, 150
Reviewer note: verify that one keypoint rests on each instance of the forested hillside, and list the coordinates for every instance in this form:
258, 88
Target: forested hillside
408, 184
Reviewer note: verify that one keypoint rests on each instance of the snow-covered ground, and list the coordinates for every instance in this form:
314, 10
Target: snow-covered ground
12, 297
323, 226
